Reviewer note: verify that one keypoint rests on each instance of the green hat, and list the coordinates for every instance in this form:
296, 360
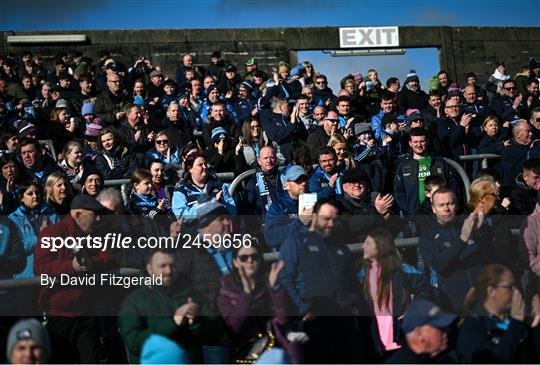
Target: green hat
251, 62
434, 83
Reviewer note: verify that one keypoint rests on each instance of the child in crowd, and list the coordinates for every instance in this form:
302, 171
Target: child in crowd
143, 201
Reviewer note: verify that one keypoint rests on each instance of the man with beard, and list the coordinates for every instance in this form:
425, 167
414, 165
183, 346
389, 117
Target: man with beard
411, 96
412, 171
326, 179
205, 108
169, 309
319, 137
264, 188
319, 277
532, 94
245, 106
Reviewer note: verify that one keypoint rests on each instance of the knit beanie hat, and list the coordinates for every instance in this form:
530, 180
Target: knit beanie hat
28, 329
358, 78
158, 349
209, 210
217, 133
87, 108
93, 130
411, 76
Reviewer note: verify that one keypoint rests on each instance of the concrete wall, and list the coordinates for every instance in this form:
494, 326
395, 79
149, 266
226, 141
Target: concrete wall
461, 49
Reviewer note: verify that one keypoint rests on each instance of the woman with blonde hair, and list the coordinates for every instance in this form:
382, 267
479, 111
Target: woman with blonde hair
72, 161
58, 193
341, 146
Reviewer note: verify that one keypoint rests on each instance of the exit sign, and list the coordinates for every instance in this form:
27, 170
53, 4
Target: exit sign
368, 37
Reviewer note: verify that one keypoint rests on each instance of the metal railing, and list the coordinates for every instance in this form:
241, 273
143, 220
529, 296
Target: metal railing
356, 249
480, 156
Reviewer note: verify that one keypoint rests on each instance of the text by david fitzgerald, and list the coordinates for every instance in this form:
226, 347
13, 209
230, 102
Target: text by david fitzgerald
103, 279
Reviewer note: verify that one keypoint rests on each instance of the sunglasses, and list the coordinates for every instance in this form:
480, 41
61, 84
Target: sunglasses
162, 141
320, 82
510, 88
244, 258
333, 120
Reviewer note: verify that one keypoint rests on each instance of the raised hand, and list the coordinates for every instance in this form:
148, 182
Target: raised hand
274, 272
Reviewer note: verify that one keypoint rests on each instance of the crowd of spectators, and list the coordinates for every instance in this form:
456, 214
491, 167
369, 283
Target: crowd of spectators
370, 163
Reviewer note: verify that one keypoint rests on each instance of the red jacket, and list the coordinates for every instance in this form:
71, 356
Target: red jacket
67, 301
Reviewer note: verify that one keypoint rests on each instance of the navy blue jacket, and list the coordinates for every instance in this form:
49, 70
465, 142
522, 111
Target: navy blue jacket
406, 181
319, 183
455, 262
280, 130
254, 201
318, 274
243, 109
512, 158
282, 221
482, 340
503, 108
12, 255
453, 137
117, 164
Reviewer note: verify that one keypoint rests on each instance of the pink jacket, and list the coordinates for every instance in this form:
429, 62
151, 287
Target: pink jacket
531, 236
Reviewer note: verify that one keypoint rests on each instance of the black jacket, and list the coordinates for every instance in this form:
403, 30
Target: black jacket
481, 340
117, 164
512, 158
317, 139
408, 99
523, 198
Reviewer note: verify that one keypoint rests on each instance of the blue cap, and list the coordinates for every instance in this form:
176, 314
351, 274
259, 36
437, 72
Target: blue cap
421, 312
294, 173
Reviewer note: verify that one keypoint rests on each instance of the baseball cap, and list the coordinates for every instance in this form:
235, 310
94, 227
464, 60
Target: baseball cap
421, 312
87, 202
294, 173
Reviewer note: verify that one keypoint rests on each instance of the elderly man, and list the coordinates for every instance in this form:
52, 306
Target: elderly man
179, 122
513, 156
453, 130
111, 102
425, 326
321, 135
265, 187
67, 306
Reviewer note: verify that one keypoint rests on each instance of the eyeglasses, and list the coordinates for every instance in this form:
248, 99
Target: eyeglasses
162, 141
244, 258
254, 127
333, 120
510, 88
320, 82
507, 287
452, 106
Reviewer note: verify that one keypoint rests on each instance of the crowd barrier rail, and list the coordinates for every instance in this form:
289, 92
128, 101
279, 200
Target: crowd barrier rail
356, 249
